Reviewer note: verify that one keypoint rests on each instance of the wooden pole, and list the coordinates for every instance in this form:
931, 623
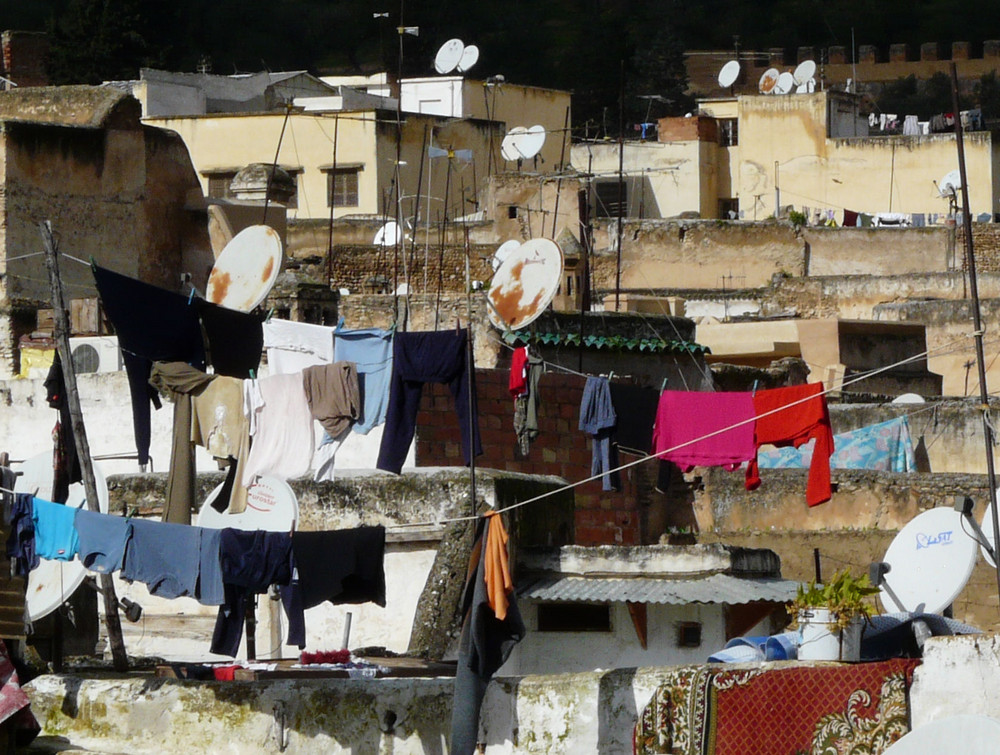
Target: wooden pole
111, 618
970, 257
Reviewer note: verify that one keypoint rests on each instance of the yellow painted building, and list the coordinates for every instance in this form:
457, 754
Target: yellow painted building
747, 154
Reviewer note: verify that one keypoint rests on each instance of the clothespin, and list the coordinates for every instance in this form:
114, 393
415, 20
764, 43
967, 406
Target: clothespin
191, 296
270, 313
252, 376
611, 375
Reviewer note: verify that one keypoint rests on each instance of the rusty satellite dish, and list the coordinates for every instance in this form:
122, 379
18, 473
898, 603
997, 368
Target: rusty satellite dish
246, 269
768, 80
525, 284
503, 252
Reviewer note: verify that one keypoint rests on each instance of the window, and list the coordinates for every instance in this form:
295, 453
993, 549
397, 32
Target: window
606, 194
729, 132
218, 184
729, 208
574, 617
342, 187
688, 634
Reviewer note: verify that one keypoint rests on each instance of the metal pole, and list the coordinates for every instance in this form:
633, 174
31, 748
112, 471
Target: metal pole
621, 188
107, 586
583, 203
274, 165
333, 202
976, 317
471, 366
562, 161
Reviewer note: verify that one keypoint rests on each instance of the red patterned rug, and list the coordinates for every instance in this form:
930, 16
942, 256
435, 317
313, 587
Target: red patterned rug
859, 709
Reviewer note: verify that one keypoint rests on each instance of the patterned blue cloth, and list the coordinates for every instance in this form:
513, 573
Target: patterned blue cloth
885, 447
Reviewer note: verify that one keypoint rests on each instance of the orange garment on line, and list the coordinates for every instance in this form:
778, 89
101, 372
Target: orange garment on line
795, 426
496, 569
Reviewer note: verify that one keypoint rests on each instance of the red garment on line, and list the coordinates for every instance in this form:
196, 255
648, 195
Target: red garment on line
518, 372
795, 426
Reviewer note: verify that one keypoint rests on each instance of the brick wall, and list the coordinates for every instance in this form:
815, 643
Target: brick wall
602, 518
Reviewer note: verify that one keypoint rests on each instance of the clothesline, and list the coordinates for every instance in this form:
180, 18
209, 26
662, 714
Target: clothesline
664, 452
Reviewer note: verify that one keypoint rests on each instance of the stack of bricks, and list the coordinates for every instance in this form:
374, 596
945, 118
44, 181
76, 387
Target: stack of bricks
602, 518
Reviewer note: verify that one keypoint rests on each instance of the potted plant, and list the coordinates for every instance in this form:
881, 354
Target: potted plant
830, 617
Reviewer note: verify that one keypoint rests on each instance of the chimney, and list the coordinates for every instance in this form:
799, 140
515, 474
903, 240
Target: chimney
24, 57
806, 53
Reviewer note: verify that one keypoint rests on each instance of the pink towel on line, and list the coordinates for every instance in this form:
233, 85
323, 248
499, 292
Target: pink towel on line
683, 416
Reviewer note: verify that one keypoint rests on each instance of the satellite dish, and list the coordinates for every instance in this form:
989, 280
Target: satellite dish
987, 528
909, 398
804, 71
388, 235
469, 57
930, 561
508, 147
729, 73
525, 284
950, 184
784, 83
531, 142
767, 81
246, 269
271, 507
811, 86
449, 56
503, 252
801, 89
52, 583
965, 733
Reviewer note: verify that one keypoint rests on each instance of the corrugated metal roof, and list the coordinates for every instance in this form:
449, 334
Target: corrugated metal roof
715, 588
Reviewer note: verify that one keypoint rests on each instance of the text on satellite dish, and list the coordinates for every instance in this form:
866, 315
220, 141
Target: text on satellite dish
926, 541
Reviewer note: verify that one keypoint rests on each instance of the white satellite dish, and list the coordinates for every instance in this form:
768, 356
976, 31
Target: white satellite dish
784, 84
246, 269
271, 507
801, 89
811, 86
531, 142
950, 184
965, 733
52, 583
525, 284
767, 80
930, 562
804, 71
503, 252
508, 147
909, 398
388, 235
729, 73
469, 57
449, 56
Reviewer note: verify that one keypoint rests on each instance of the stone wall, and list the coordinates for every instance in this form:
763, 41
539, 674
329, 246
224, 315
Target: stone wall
876, 251
985, 246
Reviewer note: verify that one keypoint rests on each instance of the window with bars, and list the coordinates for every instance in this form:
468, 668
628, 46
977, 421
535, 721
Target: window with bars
218, 184
342, 187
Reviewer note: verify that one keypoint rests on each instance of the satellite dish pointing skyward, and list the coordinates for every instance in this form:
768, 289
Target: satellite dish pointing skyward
525, 284
804, 71
469, 57
508, 146
784, 83
768, 80
930, 562
503, 252
246, 269
530, 143
729, 73
950, 184
449, 55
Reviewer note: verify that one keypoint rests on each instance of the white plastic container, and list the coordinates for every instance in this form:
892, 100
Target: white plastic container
817, 642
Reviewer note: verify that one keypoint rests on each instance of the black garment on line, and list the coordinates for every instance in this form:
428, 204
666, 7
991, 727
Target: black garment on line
235, 339
69, 470
484, 646
250, 562
426, 357
635, 407
152, 324
341, 566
